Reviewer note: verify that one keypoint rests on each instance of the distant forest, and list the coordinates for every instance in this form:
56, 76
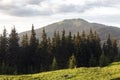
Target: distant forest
60, 52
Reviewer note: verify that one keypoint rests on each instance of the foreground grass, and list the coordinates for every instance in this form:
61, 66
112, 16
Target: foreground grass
111, 72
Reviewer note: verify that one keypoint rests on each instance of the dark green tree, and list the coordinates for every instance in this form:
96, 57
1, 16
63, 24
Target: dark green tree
45, 52
54, 64
56, 47
85, 50
92, 61
115, 50
103, 60
23, 56
1, 54
63, 54
32, 50
69, 44
97, 48
4, 46
110, 49
12, 57
72, 62
24, 42
77, 49
33, 41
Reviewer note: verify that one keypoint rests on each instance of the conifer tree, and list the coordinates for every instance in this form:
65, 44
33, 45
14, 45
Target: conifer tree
24, 42
63, 54
4, 46
97, 48
54, 64
69, 44
32, 50
85, 50
115, 49
92, 61
33, 40
44, 51
49, 52
72, 62
103, 60
12, 57
94, 47
56, 47
1, 55
23, 56
77, 48
109, 50
117, 57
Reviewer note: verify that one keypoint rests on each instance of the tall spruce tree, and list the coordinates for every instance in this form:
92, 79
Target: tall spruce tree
45, 65
109, 50
4, 46
56, 47
115, 49
77, 47
85, 50
91, 45
12, 57
23, 56
1, 55
94, 47
33, 40
49, 52
97, 48
32, 50
69, 44
24, 42
3, 50
63, 54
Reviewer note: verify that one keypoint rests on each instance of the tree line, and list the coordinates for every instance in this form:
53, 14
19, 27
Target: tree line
60, 52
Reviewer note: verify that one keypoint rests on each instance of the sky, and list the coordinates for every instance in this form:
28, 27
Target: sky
24, 13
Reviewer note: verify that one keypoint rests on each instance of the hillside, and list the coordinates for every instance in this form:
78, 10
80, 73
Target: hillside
111, 72
78, 25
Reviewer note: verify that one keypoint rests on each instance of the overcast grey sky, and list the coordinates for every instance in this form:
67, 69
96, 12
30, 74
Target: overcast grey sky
24, 13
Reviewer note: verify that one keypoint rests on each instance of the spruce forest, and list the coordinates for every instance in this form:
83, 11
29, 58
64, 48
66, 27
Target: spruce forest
31, 55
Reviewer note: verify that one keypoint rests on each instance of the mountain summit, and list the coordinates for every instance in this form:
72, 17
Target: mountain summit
78, 25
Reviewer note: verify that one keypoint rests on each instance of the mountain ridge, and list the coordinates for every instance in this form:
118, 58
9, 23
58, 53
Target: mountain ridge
77, 25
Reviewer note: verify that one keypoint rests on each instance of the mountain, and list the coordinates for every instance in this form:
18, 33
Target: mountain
75, 25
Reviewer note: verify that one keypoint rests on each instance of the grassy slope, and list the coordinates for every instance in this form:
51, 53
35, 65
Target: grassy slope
111, 72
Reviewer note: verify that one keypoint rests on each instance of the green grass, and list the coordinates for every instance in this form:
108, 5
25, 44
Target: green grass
110, 72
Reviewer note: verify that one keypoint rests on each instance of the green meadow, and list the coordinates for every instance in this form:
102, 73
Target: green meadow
110, 72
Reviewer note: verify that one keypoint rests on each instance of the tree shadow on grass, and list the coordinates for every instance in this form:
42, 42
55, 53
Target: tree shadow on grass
116, 79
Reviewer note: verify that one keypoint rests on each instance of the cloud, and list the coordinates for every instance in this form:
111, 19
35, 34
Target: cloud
35, 1
75, 6
29, 8
25, 8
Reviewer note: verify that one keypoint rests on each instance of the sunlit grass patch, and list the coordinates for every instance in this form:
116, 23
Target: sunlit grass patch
110, 72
